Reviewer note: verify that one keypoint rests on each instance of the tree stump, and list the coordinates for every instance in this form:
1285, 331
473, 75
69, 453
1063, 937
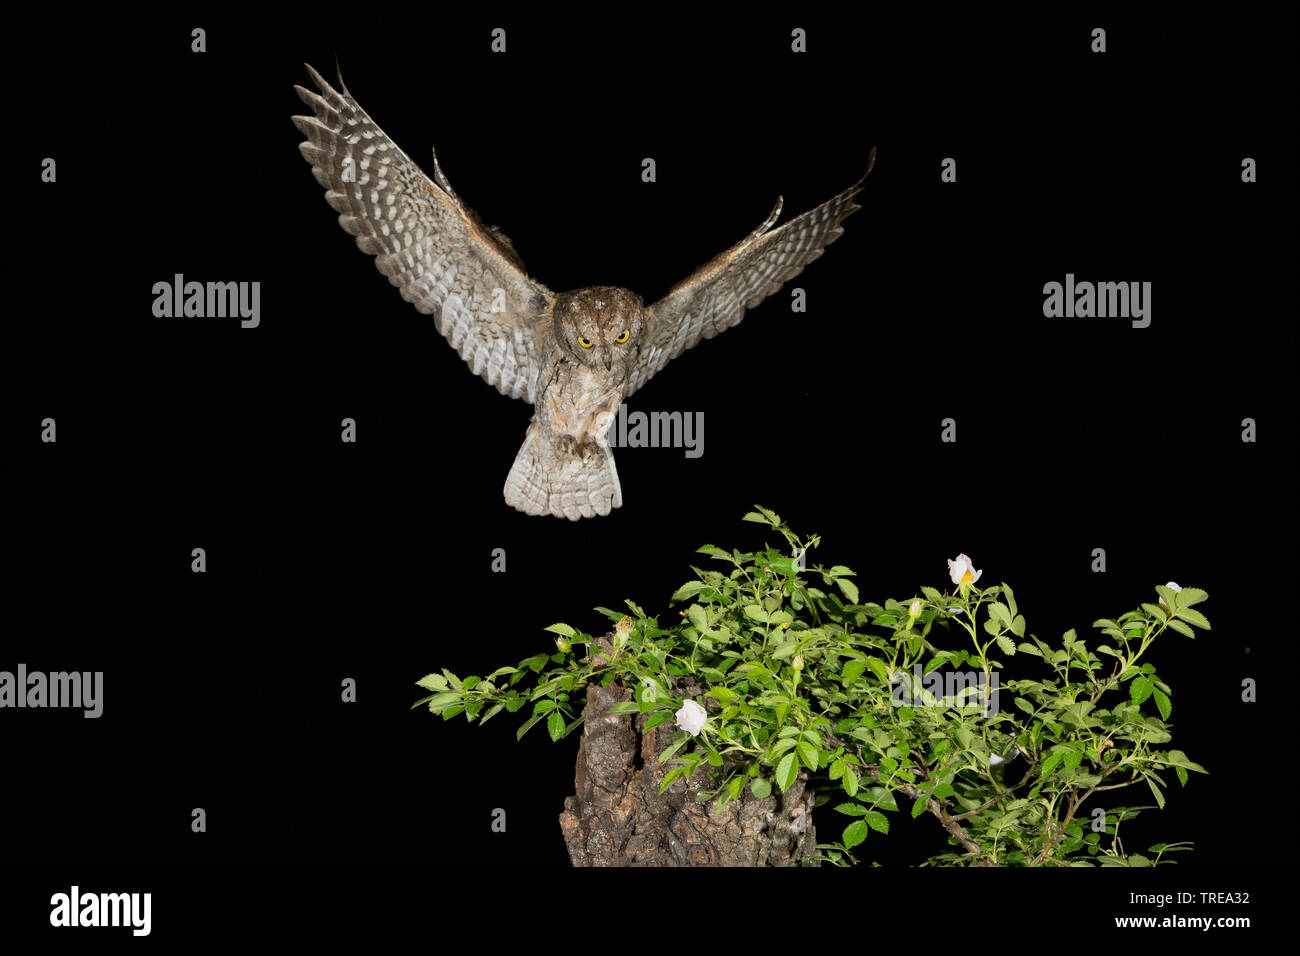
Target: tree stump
618, 817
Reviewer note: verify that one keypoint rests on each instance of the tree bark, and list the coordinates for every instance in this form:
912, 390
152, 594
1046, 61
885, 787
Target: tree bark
618, 817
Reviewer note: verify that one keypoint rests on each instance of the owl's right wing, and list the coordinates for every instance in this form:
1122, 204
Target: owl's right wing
715, 296
433, 247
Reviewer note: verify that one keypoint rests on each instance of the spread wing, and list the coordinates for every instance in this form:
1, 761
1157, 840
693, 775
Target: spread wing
433, 247
715, 296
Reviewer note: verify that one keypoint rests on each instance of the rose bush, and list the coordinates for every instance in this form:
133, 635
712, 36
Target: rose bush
803, 678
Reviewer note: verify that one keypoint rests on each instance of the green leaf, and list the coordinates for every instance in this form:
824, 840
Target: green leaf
849, 589
1189, 596
676, 745
782, 565
764, 516
670, 776
696, 615
852, 809
1179, 759
760, 787
655, 719
1169, 596
878, 821
1162, 703
440, 702
433, 682
785, 649
1011, 598
808, 754
1050, 761
1140, 689
562, 629
855, 833
850, 781
786, 771
1160, 797
686, 590
1181, 628
919, 805
527, 726
555, 725
998, 612
623, 707
1195, 618
852, 671
735, 785
1007, 644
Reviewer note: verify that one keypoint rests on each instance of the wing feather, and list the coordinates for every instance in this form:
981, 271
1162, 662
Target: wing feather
429, 244
715, 296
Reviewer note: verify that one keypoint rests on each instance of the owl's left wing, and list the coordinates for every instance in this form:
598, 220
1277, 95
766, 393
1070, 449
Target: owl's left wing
432, 246
715, 296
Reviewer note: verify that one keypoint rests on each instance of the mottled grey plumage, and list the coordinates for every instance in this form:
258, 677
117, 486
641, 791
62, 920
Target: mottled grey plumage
574, 355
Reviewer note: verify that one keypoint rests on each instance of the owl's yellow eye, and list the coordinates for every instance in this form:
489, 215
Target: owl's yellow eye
624, 337
585, 343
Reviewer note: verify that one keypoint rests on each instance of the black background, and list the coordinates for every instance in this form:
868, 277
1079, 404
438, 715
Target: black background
373, 560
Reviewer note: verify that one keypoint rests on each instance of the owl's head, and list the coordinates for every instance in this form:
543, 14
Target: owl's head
600, 326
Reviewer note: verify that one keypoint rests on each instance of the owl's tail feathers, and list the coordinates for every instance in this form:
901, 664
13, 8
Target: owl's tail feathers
571, 483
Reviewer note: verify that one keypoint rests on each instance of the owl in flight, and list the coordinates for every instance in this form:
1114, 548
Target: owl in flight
574, 355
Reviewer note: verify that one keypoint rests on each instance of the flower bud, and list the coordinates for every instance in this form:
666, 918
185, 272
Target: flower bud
562, 644
797, 662
915, 610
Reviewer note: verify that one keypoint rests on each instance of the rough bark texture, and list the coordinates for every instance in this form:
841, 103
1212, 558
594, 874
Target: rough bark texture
618, 817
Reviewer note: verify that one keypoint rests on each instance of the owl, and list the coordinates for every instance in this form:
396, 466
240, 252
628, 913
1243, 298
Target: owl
573, 355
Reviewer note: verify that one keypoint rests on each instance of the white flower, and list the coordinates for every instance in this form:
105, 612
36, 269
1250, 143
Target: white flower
1171, 586
691, 717
962, 571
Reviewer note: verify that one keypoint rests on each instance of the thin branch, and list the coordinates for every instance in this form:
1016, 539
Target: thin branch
992, 800
1076, 802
